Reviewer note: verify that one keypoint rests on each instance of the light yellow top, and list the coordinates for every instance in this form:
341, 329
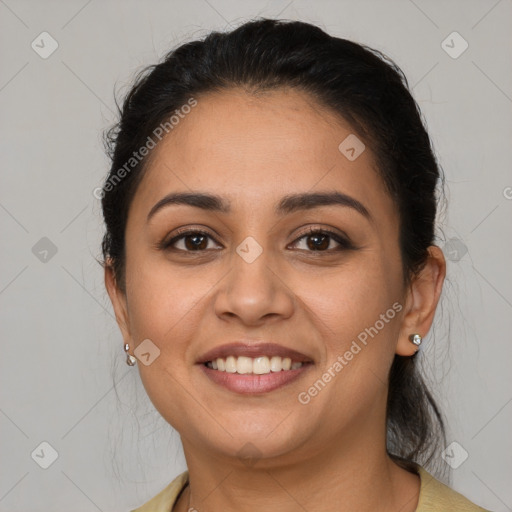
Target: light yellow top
434, 496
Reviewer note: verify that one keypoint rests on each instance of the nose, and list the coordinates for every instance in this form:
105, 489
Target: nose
253, 291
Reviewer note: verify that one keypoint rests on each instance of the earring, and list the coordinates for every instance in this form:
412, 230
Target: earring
416, 339
130, 360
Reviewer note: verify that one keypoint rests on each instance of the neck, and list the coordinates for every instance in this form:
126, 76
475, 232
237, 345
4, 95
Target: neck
350, 473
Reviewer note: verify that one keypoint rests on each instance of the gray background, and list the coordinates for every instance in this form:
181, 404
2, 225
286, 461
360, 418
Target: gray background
60, 342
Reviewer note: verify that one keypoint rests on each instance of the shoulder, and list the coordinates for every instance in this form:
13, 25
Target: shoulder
166, 498
438, 497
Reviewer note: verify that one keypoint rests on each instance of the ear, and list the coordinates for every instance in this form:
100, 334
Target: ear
422, 299
118, 299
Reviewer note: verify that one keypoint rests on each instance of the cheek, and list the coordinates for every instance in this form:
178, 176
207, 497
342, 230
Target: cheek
358, 312
354, 298
163, 307
159, 302
167, 304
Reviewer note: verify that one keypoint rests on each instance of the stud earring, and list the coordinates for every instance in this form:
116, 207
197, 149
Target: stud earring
416, 339
130, 360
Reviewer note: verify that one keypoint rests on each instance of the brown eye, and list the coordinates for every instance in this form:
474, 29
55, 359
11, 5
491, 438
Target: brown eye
321, 240
193, 240
316, 241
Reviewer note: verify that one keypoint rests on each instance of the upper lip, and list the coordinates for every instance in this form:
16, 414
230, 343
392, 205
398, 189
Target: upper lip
253, 350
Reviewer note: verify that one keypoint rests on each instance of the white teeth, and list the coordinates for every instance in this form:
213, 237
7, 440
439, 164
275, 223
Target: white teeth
261, 365
244, 365
275, 364
231, 364
257, 366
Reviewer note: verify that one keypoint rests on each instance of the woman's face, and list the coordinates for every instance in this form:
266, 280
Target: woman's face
255, 277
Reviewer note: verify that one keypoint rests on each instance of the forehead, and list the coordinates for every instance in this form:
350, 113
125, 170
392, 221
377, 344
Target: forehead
260, 147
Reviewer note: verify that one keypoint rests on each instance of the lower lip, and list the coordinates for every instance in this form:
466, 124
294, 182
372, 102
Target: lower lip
249, 384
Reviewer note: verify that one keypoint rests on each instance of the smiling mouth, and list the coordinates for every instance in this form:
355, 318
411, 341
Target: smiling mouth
254, 366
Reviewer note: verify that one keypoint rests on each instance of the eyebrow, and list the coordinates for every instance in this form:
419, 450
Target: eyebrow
288, 204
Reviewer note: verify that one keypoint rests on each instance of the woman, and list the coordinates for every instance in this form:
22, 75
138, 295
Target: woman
269, 253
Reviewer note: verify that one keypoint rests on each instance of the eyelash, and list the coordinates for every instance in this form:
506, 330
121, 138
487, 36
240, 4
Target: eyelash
344, 243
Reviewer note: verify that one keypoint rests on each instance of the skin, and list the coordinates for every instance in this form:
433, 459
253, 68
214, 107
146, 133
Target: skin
328, 455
